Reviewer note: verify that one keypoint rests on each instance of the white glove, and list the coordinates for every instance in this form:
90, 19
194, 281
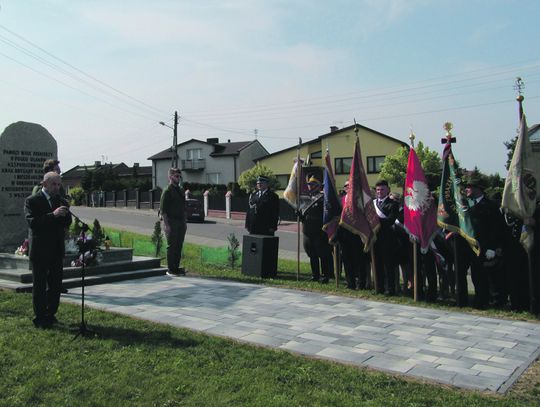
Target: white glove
490, 254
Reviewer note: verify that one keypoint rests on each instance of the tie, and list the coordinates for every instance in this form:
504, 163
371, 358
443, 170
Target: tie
379, 203
53, 201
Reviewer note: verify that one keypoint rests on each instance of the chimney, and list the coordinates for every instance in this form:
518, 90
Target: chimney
135, 164
333, 129
229, 140
213, 140
97, 164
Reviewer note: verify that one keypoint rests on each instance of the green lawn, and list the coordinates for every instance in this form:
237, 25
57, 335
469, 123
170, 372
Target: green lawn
136, 363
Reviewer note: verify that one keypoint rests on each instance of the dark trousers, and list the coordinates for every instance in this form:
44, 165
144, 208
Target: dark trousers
429, 275
354, 260
175, 241
385, 266
47, 283
319, 253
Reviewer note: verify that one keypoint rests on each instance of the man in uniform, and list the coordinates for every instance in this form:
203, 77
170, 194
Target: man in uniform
263, 214
171, 207
355, 260
491, 232
386, 243
315, 239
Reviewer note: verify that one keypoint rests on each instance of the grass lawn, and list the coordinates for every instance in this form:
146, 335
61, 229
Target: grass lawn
136, 363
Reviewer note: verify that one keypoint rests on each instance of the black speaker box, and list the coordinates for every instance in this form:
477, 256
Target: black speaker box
259, 255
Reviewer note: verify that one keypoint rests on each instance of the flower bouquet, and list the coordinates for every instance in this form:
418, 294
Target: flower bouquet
89, 252
22, 250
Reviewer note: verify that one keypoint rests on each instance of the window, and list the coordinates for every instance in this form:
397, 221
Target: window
374, 164
343, 165
283, 181
194, 154
316, 154
212, 178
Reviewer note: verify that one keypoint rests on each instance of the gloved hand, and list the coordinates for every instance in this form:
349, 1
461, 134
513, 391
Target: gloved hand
490, 254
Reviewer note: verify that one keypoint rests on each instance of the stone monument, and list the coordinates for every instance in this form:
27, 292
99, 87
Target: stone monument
23, 149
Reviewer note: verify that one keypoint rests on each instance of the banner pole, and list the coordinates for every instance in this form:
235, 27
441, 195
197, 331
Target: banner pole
415, 270
374, 270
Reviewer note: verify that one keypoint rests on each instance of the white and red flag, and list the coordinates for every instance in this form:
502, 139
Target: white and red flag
420, 209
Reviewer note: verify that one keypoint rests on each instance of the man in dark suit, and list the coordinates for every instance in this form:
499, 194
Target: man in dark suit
386, 243
48, 218
263, 214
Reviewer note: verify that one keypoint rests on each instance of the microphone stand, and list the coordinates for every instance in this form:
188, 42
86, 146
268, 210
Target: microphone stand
83, 328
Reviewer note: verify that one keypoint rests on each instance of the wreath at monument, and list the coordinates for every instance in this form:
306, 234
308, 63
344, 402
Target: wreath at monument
89, 252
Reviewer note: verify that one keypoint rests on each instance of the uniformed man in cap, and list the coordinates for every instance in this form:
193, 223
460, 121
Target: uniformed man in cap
491, 232
263, 214
315, 238
386, 243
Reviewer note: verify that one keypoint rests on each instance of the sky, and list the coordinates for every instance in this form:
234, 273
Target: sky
100, 75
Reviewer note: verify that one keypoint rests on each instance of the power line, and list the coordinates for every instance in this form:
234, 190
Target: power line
156, 110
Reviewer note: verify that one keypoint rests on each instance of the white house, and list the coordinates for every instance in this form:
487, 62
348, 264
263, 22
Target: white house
207, 162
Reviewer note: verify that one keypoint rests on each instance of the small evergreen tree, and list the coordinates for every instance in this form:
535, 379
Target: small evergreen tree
234, 253
97, 233
157, 237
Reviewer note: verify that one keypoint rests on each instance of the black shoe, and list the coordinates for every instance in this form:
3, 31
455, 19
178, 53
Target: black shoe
51, 320
314, 278
41, 323
351, 286
176, 273
323, 280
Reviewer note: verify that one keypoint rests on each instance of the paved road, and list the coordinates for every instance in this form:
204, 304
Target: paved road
453, 348
213, 232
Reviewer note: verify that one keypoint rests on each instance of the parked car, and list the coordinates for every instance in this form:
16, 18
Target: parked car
194, 210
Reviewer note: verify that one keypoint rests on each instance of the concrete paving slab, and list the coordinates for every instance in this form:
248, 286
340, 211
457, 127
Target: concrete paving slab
453, 348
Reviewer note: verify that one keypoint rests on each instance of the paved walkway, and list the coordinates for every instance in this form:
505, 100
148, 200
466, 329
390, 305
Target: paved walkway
454, 348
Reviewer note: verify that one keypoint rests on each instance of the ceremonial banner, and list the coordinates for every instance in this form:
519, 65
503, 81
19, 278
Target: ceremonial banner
291, 192
358, 215
420, 209
520, 188
453, 211
332, 204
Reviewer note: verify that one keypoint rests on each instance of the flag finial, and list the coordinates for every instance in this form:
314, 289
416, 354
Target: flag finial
412, 137
448, 126
519, 85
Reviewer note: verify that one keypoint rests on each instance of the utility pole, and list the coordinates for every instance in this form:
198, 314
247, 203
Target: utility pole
175, 141
174, 159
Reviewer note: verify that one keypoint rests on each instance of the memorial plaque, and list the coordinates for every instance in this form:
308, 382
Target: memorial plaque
23, 149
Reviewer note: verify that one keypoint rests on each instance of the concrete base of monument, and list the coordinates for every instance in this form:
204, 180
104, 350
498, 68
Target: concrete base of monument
118, 264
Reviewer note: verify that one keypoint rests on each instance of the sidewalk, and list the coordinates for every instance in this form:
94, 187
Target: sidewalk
452, 348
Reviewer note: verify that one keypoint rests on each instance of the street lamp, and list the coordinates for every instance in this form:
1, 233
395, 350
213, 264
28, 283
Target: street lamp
174, 161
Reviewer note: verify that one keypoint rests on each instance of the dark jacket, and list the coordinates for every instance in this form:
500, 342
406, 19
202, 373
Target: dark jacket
47, 232
312, 215
172, 202
386, 235
489, 225
263, 213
